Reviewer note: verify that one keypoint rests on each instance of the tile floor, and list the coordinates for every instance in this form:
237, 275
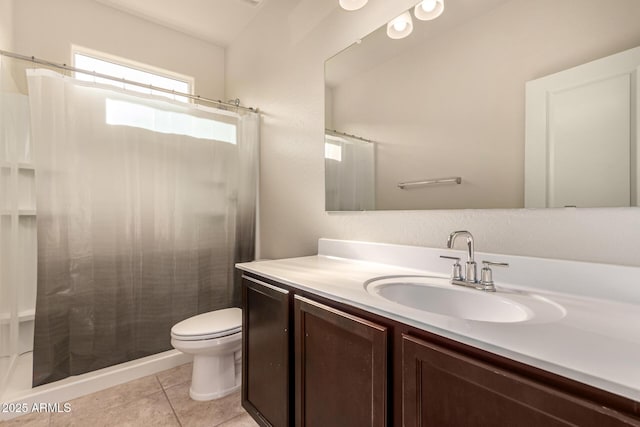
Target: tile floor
157, 400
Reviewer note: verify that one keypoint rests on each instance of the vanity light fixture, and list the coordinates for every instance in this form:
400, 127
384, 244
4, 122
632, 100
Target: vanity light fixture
352, 4
427, 10
400, 27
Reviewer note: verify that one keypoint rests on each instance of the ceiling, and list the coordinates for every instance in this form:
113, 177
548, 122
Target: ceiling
215, 21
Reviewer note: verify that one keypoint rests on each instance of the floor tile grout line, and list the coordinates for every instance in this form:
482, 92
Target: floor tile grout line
175, 414
229, 420
118, 405
226, 421
176, 384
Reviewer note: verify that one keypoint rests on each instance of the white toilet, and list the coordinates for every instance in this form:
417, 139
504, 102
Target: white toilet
214, 339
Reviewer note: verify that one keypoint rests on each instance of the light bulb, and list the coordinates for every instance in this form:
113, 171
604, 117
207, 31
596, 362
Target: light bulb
427, 10
428, 5
352, 4
400, 27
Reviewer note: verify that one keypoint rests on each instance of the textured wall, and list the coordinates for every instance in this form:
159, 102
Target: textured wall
46, 29
277, 64
6, 25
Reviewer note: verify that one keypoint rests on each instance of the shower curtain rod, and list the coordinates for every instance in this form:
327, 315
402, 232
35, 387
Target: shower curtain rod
335, 132
232, 104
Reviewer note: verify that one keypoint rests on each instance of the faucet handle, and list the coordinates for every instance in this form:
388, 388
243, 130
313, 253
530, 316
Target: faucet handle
488, 264
456, 272
486, 277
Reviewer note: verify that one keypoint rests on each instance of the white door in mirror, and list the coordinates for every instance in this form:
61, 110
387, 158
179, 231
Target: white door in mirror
579, 130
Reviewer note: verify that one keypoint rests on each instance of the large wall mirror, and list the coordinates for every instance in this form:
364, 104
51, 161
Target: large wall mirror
494, 104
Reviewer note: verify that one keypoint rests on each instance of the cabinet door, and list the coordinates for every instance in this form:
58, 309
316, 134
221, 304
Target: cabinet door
265, 352
443, 388
340, 368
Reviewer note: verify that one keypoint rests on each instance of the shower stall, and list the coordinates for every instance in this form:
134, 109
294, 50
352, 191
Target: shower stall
17, 237
121, 214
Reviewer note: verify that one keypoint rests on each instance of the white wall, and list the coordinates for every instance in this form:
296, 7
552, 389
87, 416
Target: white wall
47, 29
279, 67
6, 25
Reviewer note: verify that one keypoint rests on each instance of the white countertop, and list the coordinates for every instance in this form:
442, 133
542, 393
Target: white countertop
597, 342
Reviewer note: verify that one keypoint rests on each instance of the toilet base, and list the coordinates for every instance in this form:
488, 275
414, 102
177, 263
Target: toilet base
215, 376
210, 396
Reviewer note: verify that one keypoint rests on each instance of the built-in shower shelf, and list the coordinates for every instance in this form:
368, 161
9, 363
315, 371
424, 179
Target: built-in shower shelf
23, 316
21, 166
21, 212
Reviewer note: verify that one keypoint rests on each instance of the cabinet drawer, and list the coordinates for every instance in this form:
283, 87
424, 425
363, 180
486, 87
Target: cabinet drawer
443, 388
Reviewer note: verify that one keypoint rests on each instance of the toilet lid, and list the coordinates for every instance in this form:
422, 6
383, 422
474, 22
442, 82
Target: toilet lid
214, 324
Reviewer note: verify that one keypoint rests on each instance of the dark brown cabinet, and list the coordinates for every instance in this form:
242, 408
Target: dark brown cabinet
340, 368
309, 361
444, 388
265, 352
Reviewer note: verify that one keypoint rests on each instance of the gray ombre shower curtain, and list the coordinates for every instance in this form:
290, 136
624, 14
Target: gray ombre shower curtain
143, 207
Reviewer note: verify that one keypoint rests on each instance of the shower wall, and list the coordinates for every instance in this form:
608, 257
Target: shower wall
17, 232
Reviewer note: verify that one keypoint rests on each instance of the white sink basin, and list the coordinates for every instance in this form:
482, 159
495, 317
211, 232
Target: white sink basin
437, 295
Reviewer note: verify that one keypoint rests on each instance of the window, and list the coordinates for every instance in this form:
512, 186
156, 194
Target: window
101, 63
145, 117
333, 150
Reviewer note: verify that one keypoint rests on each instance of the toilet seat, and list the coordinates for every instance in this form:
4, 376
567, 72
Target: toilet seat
206, 326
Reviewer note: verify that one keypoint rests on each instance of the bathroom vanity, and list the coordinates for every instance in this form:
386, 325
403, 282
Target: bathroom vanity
348, 338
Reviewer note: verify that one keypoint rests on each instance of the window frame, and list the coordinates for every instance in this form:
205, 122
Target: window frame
134, 65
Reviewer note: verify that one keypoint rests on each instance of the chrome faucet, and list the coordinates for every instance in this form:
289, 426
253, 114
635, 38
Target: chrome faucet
470, 279
471, 271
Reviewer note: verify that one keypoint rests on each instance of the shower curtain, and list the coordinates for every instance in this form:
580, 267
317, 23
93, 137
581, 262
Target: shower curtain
349, 174
144, 205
